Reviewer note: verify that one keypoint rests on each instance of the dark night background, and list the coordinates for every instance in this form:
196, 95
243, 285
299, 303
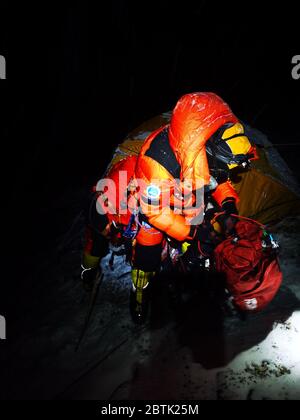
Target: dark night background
80, 76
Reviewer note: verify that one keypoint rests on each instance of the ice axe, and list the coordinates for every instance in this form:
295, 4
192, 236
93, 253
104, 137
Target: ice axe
93, 296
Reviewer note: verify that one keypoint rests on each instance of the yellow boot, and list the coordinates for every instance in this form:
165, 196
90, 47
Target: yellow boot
139, 298
90, 269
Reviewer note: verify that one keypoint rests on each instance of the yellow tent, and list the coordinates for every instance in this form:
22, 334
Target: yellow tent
268, 192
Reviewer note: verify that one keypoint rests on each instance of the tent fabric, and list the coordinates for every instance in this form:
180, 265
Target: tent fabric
280, 169
268, 192
133, 143
264, 199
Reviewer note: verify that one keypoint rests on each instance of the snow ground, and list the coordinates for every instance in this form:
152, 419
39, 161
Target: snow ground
197, 353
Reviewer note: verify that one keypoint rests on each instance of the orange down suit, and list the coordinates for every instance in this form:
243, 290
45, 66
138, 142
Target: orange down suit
105, 207
195, 119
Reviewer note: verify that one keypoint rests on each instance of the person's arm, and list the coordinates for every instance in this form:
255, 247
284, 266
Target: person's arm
226, 197
155, 206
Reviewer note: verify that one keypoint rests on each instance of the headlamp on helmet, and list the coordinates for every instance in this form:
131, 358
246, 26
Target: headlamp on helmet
231, 146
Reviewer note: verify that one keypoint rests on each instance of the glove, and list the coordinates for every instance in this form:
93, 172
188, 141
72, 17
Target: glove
226, 220
88, 277
205, 238
229, 207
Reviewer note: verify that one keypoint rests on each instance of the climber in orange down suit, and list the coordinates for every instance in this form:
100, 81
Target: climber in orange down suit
110, 217
177, 165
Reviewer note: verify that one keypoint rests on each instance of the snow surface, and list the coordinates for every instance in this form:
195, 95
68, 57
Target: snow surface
196, 354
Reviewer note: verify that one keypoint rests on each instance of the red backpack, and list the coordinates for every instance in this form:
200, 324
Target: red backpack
251, 267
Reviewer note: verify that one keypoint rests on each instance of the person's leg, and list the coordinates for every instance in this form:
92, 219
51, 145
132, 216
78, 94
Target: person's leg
96, 245
146, 262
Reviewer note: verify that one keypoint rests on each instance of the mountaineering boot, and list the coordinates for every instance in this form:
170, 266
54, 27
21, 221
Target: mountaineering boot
139, 295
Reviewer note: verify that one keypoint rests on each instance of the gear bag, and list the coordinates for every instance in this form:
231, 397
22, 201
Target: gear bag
249, 261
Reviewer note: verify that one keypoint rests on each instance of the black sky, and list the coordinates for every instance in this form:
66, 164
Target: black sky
84, 75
